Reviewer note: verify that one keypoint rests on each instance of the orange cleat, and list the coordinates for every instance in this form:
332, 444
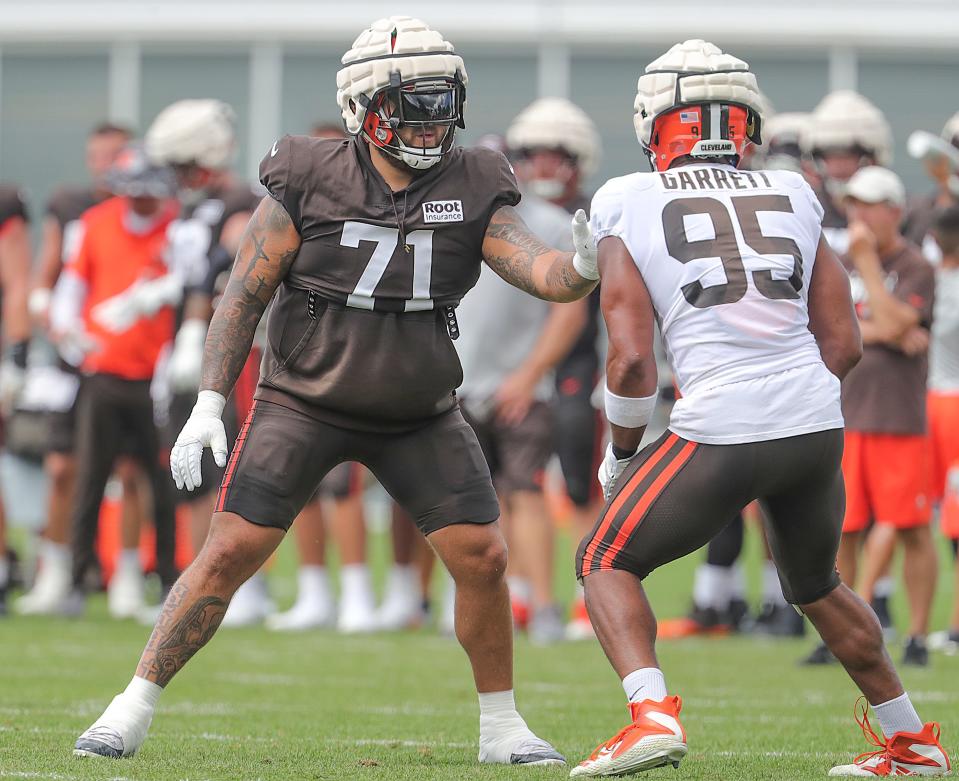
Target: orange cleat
700, 621
579, 626
521, 613
904, 754
655, 738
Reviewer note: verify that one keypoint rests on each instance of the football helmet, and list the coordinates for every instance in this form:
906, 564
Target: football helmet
782, 133
399, 72
135, 175
556, 123
193, 132
844, 120
696, 101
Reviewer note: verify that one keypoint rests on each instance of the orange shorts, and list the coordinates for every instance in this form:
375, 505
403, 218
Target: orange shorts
886, 480
942, 411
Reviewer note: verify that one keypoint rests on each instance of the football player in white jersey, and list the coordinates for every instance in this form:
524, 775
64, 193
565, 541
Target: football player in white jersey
756, 314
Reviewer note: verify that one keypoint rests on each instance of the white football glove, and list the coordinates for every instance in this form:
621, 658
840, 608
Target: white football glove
73, 345
610, 470
142, 299
38, 303
584, 261
203, 429
186, 360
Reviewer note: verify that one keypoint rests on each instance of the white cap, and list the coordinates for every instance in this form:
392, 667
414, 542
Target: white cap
874, 184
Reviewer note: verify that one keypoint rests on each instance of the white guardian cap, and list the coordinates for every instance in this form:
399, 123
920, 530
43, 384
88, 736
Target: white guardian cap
399, 72
556, 123
696, 101
193, 132
845, 120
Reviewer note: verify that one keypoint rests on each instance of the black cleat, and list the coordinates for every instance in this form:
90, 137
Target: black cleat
779, 621
820, 655
916, 653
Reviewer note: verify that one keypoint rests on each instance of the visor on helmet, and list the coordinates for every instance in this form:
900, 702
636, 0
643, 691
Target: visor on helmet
422, 107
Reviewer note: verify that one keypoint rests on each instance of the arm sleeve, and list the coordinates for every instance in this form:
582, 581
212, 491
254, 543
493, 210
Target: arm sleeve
278, 173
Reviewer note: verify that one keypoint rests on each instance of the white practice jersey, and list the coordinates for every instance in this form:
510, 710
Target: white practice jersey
727, 257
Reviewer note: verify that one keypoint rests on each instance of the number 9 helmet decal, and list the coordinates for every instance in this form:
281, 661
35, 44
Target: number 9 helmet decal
696, 101
400, 73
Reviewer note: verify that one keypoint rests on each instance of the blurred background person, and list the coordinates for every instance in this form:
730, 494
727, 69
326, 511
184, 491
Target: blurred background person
940, 159
884, 404
196, 138
120, 254
943, 403
59, 236
509, 346
14, 287
555, 147
845, 132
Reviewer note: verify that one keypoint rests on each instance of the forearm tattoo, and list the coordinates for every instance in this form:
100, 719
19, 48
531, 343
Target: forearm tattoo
266, 252
520, 258
179, 633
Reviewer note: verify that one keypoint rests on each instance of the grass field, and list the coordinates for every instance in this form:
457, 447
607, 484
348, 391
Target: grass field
255, 705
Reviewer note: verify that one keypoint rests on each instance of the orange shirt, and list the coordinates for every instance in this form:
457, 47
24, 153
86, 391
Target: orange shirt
110, 259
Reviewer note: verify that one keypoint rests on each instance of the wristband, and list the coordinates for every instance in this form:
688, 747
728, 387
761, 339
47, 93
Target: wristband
628, 412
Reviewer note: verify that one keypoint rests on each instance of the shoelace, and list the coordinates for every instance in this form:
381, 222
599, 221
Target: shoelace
613, 740
872, 737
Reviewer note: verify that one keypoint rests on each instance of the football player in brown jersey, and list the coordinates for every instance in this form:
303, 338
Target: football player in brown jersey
368, 244
59, 238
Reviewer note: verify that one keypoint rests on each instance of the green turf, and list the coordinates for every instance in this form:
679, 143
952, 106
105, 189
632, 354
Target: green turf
255, 705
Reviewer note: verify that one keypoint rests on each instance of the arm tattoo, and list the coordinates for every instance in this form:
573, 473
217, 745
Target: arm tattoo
183, 628
523, 260
266, 252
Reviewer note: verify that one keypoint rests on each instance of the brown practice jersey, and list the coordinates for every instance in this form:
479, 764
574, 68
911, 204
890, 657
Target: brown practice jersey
360, 334
886, 391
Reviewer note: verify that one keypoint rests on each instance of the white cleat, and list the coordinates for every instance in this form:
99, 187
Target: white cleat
357, 613
119, 732
50, 593
304, 615
125, 597
357, 619
250, 604
402, 606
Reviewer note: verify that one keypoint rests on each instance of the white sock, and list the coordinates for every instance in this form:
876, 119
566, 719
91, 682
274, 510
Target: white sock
4, 571
312, 584
499, 717
402, 579
647, 683
898, 715
711, 586
54, 554
772, 588
129, 560
884, 587
142, 691
520, 589
355, 584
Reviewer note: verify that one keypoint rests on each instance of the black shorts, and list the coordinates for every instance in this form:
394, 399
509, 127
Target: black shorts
436, 473
517, 455
676, 495
579, 429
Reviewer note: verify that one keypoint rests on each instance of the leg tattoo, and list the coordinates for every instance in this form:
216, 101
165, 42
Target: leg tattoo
182, 630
